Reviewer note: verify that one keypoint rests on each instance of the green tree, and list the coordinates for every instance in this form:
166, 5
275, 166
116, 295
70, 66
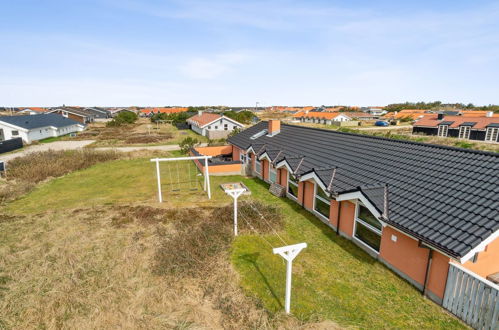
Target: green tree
187, 144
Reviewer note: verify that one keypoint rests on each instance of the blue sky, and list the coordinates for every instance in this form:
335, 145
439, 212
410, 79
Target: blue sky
151, 52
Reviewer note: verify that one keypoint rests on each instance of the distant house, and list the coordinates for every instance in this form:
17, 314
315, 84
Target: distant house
31, 111
376, 111
212, 125
462, 127
329, 117
78, 114
147, 112
37, 127
99, 113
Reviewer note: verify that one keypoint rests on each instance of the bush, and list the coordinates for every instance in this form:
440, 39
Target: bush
123, 118
187, 144
175, 118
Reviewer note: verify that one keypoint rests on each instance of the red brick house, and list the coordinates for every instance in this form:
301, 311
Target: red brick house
415, 207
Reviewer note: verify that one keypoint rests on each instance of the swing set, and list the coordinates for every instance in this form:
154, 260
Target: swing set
191, 184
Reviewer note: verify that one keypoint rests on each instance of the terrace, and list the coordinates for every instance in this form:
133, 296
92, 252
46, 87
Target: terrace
222, 161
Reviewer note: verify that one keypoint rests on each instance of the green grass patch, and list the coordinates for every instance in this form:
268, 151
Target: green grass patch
332, 278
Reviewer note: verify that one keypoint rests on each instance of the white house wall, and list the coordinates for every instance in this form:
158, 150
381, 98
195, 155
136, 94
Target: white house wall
38, 133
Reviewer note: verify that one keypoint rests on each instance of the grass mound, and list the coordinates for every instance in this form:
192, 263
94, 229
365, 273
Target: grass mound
26, 171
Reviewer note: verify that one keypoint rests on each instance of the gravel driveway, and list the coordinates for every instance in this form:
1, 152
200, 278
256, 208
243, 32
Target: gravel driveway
57, 145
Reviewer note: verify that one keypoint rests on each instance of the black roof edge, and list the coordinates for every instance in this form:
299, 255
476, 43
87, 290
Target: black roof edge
487, 153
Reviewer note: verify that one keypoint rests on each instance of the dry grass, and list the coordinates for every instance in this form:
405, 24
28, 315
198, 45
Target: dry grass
89, 269
39, 166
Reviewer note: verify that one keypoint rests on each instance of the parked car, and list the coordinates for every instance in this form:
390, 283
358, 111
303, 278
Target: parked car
381, 123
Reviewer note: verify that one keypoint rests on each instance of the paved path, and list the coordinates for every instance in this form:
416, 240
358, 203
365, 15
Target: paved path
57, 145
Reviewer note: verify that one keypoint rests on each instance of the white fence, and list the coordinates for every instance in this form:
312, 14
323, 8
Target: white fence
471, 298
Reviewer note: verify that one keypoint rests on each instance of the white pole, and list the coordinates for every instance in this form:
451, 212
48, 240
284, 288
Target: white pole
289, 270
207, 175
235, 216
289, 252
235, 193
159, 181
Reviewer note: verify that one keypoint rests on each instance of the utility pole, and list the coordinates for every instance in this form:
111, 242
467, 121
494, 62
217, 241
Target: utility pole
256, 106
289, 252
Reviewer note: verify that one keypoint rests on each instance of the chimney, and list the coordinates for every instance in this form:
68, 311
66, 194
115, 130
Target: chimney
200, 112
489, 114
440, 116
274, 127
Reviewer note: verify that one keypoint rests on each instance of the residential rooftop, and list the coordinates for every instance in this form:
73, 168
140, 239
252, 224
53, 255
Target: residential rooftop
36, 121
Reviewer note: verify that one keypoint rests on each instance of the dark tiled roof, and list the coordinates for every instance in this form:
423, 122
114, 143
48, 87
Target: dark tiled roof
446, 122
43, 120
447, 197
493, 125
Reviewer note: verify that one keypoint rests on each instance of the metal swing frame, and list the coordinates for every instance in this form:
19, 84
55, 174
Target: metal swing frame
206, 183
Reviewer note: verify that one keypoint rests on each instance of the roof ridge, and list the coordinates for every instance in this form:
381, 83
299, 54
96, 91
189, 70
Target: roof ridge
431, 145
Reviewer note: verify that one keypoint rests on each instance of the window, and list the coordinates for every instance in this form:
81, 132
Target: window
322, 202
464, 132
272, 173
226, 127
15, 133
292, 185
443, 130
367, 228
258, 166
209, 127
257, 135
216, 127
491, 134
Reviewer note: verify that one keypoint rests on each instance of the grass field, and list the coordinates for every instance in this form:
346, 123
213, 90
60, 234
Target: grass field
67, 260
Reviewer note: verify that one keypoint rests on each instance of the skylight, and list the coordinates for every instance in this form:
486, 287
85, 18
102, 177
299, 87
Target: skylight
257, 135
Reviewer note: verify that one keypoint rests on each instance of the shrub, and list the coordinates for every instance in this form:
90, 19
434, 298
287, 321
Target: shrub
187, 144
123, 118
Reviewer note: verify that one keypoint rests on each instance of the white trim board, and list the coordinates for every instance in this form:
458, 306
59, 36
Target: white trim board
480, 247
313, 176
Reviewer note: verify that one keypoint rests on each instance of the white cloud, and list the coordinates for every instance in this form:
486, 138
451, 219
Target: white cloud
212, 67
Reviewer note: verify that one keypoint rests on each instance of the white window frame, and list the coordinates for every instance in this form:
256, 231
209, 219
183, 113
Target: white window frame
443, 130
291, 196
464, 132
15, 133
491, 133
316, 186
373, 229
